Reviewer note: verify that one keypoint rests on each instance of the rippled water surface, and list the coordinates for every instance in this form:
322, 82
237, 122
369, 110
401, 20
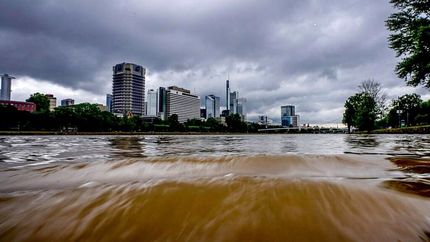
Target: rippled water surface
215, 188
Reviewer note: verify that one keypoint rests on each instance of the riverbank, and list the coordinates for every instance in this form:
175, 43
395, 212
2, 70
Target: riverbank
115, 133
425, 129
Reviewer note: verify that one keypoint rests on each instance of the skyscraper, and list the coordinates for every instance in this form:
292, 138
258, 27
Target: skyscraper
151, 103
227, 95
162, 100
109, 103
6, 85
212, 104
288, 116
233, 102
128, 89
241, 107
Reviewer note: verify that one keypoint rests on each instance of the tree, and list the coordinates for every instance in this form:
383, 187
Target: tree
349, 114
374, 89
411, 40
360, 112
41, 101
424, 116
174, 124
235, 123
406, 107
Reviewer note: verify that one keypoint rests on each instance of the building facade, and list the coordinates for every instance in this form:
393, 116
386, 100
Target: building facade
212, 105
67, 102
152, 101
128, 89
109, 103
233, 102
21, 106
241, 107
52, 102
289, 117
227, 95
179, 101
6, 87
161, 105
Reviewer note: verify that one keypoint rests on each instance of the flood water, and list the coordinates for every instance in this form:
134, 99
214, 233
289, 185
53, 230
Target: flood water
215, 188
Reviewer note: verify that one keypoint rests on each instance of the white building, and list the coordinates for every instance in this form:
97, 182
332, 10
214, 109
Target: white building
6, 85
151, 103
181, 102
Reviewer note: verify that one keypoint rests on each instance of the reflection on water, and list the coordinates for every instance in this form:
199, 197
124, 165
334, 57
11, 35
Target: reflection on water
362, 141
215, 188
127, 147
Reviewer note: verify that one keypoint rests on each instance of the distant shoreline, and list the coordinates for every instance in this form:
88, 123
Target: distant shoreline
406, 130
6, 133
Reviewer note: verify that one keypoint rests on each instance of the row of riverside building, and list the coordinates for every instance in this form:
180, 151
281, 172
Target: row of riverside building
128, 98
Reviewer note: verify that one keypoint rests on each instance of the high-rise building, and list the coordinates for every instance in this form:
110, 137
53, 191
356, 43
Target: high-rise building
151, 106
179, 101
227, 95
6, 86
67, 102
52, 101
109, 102
128, 89
212, 104
233, 102
241, 108
162, 100
289, 117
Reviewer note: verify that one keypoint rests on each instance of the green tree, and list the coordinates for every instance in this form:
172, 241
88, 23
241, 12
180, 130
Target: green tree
174, 124
374, 89
424, 115
41, 101
235, 123
350, 112
360, 112
411, 40
406, 107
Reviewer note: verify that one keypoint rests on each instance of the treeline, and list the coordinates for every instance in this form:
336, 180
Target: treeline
367, 110
87, 117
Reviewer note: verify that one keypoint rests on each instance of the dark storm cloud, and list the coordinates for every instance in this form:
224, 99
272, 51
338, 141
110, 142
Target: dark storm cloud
309, 53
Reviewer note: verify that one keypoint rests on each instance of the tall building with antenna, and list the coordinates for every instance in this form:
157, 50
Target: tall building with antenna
227, 94
6, 85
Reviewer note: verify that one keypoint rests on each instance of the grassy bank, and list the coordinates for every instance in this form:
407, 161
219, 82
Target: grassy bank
425, 129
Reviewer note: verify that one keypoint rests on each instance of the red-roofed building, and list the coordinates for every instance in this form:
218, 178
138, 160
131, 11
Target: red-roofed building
21, 106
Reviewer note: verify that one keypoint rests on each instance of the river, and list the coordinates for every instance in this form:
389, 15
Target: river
304, 187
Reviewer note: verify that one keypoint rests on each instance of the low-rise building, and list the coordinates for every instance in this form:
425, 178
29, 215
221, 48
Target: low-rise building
67, 102
21, 106
52, 102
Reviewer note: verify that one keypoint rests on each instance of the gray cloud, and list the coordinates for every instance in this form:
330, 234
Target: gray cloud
309, 53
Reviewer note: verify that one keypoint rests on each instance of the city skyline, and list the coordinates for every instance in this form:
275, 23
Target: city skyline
303, 53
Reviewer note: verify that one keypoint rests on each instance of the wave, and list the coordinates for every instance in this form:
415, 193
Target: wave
236, 209
191, 167
228, 198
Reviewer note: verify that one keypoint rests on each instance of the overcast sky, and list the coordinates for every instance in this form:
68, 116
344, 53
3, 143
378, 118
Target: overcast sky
312, 54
